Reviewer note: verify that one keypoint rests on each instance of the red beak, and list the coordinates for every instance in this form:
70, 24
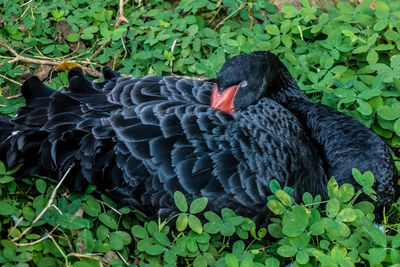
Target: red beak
224, 101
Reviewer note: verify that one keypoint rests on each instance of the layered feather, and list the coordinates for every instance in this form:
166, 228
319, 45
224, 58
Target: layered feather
141, 139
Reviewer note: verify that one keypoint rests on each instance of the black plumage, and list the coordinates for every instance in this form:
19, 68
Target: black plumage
342, 142
141, 139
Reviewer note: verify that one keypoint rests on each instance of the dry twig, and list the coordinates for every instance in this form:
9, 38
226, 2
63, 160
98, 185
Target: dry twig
24, 4
18, 57
121, 18
9, 79
243, 5
122, 258
49, 204
201, 78
13, 96
66, 238
96, 53
78, 255
57, 209
171, 62
112, 208
124, 47
20, 219
38, 240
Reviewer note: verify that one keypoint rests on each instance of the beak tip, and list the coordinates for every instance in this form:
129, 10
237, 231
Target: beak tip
225, 100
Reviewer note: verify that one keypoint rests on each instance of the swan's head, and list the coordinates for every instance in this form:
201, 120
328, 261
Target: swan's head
244, 79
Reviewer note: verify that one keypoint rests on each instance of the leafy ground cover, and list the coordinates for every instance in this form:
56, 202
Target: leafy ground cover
346, 57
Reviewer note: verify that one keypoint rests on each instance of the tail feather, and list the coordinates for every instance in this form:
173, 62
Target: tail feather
7, 127
56, 128
78, 83
34, 89
109, 73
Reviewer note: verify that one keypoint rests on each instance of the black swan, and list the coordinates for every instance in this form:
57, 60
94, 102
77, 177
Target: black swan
141, 139
342, 142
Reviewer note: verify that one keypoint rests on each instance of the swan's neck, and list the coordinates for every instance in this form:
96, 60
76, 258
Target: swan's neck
284, 88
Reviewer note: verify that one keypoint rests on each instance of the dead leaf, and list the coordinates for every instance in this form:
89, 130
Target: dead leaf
371, 6
82, 245
5, 90
78, 213
62, 30
110, 63
43, 71
110, 255
21, 28
67, 65
93, 73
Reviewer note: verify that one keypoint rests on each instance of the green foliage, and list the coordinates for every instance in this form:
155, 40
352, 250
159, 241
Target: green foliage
346, 57
341, 234
336, 232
